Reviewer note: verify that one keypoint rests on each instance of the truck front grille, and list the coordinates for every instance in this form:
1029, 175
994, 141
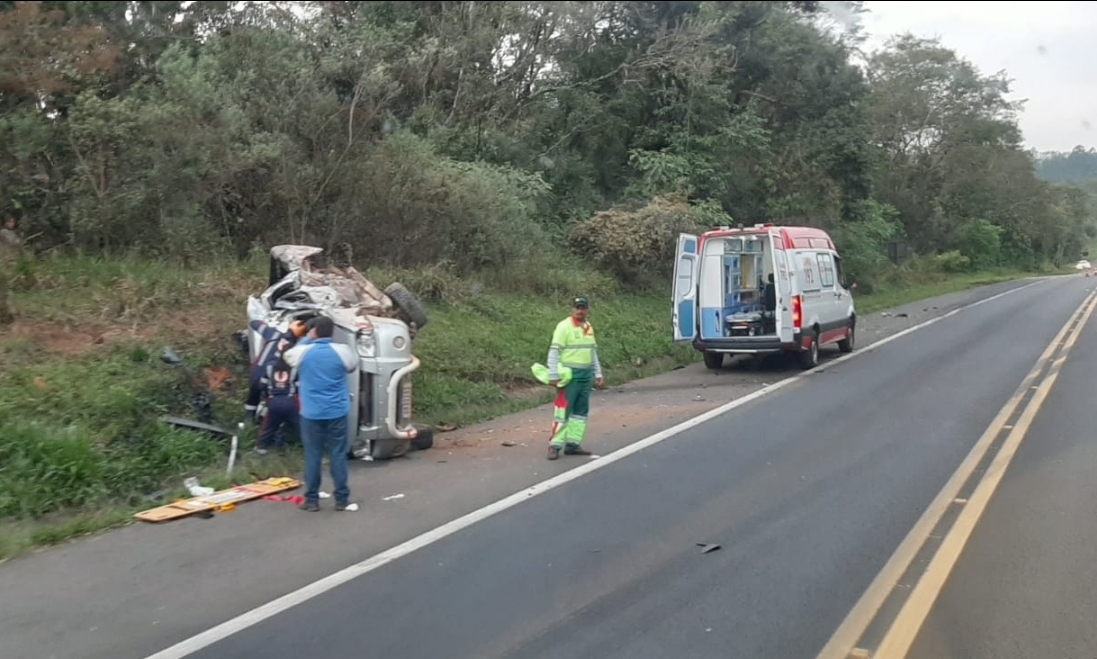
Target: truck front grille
404, 402
366, 415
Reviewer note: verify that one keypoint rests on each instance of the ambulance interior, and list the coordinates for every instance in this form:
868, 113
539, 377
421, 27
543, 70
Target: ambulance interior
738, 296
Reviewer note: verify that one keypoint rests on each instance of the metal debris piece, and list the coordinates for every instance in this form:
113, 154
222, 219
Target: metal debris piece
707, 548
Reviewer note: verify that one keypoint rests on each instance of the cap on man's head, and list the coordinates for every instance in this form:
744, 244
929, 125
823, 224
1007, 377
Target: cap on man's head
580, 303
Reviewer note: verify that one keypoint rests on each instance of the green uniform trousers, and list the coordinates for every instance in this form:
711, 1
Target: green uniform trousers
572, 407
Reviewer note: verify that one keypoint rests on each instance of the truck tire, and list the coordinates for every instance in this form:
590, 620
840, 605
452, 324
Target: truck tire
406, 302
714, 360
388, 449
424, 439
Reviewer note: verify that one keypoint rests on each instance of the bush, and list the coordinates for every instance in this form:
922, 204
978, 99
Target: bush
952, 262
412, 206
981, 243
638, 244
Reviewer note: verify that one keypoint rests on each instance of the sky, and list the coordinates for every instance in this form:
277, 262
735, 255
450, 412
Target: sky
1046, 48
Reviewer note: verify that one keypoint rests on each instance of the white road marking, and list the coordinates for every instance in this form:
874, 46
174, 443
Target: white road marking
270, 609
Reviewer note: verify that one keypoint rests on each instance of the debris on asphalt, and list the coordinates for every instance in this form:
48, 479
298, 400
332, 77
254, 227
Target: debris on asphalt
295, 499
394, 496
509, 443
707, 548
352, 507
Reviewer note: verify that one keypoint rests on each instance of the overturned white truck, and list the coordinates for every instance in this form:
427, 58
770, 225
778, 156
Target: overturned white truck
379, 325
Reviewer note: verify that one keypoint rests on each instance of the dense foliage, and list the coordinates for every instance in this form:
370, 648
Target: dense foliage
476, 134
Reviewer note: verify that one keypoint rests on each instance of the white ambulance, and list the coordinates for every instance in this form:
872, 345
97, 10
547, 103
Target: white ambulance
760, 290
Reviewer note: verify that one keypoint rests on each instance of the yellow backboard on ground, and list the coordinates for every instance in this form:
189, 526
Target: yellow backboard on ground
224, 499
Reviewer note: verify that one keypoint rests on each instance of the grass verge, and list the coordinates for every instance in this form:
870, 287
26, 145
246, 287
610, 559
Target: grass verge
82, 385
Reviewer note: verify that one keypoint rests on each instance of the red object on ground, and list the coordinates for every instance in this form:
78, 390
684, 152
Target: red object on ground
295, 498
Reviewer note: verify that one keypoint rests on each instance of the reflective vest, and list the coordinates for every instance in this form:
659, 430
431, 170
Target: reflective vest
280, 382
576, 343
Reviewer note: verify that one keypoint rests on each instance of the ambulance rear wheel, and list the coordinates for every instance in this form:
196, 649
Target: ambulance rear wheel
809, 358
714, 360
847, 344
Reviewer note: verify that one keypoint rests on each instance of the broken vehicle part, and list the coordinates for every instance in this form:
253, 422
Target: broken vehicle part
190, 424
403, 300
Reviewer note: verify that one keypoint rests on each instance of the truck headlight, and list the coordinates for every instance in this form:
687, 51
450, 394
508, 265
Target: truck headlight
366, 344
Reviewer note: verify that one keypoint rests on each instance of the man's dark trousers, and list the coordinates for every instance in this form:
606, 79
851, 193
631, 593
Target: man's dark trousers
320, 437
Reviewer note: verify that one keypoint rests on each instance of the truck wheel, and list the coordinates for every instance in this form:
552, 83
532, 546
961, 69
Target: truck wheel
847, 344
424, 440
388, 449
714, 360
809, 358
406, 302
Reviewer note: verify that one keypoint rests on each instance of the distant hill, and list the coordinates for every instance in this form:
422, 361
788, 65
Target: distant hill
1078, 166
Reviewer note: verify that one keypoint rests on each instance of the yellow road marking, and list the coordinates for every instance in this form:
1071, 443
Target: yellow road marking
904, 630
843, 643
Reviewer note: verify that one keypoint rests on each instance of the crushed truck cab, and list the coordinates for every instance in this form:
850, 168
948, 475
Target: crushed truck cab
379, 325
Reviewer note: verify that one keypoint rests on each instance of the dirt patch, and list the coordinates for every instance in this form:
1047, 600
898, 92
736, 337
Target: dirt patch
218, 377
72, 340
609, 415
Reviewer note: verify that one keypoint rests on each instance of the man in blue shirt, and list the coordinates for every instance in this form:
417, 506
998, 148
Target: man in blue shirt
322, 367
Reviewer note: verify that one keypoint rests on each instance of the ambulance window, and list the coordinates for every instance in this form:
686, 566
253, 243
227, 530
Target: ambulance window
838, 270
826, 270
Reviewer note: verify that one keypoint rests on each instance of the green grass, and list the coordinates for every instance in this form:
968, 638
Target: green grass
82, 383
477, 355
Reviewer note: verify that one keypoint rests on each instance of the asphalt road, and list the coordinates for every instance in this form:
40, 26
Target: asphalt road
807, 491
1025, 585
